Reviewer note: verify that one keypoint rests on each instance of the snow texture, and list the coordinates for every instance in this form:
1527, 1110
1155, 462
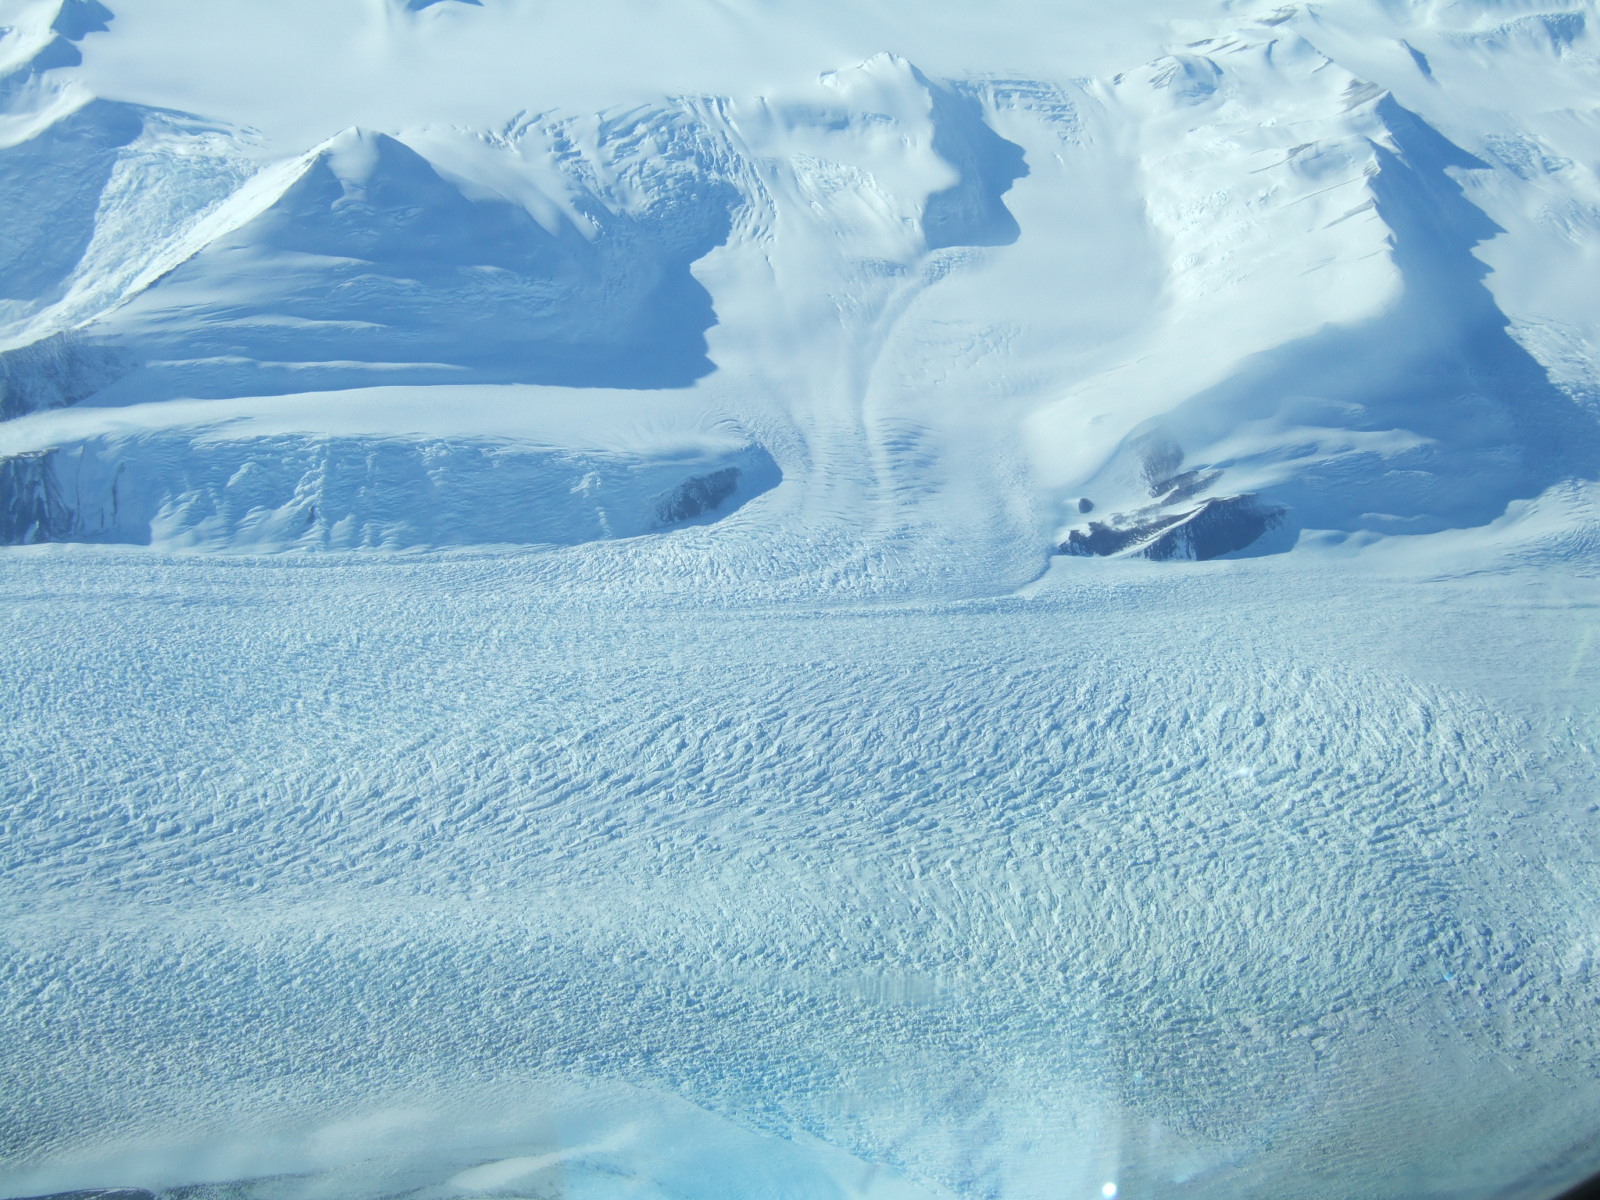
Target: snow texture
846, 600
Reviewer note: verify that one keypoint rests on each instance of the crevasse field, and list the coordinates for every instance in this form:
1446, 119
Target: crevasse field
727, 599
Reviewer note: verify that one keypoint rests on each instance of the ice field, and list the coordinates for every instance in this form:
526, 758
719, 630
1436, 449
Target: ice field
726, 599
1139, 879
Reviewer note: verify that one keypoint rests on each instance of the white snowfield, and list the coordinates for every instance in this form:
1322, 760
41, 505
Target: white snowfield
848, 600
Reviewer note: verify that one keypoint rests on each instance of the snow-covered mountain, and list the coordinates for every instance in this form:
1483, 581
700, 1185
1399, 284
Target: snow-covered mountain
1245, 296
634, 523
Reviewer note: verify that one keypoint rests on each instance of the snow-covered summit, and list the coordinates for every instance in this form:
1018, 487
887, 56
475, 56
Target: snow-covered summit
1284, 214
699, 241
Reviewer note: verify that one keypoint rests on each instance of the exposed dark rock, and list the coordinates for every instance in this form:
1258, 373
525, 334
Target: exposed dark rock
1216, 527
1085, 505
1219, 526
1102, 540
697, 495
31, 505
1182, 487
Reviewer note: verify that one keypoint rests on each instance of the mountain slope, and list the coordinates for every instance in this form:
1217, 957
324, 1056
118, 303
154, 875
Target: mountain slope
805, 226
1380, 391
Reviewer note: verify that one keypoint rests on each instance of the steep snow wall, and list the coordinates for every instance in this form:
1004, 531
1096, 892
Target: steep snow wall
278, 493
54, 372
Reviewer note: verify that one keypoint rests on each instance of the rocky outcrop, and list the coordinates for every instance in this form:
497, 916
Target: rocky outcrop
696, 496
1181, 521
1216, 527
31, 506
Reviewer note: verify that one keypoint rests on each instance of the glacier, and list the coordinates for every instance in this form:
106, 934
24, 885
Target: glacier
722, 599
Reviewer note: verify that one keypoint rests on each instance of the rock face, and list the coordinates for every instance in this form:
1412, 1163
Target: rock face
697, 496
1216, 527
31, 507
1219, 526
1181, 520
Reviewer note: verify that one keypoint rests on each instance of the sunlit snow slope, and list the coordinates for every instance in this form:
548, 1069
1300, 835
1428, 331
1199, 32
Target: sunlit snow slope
619, 600
1224, 296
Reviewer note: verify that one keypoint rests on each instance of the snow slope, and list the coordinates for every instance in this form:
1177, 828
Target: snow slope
602, 601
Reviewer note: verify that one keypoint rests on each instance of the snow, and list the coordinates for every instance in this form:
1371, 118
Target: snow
536, 656
1189, 912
